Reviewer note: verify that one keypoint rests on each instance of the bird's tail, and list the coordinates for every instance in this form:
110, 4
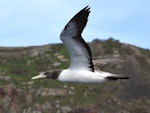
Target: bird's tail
115, 77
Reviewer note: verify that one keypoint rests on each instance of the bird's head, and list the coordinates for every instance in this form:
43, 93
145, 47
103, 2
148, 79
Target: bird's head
48, 75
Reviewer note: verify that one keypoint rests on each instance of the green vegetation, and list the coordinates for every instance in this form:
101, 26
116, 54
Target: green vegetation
110, 45
21, 68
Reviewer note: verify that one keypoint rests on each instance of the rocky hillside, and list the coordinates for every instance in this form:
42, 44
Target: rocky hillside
19, 94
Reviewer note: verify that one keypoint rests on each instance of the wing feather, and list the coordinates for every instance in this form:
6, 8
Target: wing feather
81, 57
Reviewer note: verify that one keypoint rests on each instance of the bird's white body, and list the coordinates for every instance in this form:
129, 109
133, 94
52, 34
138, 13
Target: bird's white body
83, 76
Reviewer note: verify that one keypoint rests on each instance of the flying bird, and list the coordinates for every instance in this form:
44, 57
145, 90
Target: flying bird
81, 69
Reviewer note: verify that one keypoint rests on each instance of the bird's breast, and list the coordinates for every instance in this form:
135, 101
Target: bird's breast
80, 76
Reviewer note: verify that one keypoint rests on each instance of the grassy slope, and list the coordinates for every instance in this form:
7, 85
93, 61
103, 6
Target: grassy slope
22, 69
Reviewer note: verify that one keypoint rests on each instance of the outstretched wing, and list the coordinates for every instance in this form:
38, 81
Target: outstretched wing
80, 52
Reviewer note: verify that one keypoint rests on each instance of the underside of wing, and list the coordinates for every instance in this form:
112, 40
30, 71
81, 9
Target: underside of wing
80, 53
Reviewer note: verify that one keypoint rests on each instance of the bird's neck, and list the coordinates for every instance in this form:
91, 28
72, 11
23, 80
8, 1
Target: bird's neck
55, 73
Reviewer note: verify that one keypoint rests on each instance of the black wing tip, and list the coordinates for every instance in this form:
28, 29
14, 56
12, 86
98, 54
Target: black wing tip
87, 9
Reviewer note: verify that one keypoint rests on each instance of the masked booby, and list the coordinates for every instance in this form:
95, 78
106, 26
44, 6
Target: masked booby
81, 69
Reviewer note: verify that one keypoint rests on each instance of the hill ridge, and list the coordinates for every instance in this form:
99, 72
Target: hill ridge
18, 65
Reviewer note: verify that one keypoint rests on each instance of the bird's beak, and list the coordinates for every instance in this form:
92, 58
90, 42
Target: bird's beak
38, 76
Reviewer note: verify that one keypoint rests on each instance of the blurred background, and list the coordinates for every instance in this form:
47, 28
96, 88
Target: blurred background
117, 33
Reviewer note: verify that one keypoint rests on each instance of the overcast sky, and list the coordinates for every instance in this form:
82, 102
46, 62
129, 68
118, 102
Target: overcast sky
39, 22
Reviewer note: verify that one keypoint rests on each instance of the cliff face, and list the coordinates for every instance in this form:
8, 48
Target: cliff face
132, 95
18, 94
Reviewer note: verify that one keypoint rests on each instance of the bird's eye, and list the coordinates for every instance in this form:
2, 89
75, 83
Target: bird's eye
47, 73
